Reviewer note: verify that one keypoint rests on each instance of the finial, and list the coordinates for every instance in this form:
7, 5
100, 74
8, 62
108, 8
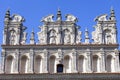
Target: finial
112, 14
32, 39
86, 29
86, 36
59, 17
7, 14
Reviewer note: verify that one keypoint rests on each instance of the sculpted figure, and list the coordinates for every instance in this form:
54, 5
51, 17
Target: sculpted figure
24, 37
52, 37
78, 37
41, 37
12, 37
95, 37
67, 38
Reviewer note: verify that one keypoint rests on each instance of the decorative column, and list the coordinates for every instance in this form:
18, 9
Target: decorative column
45, 61
31, 61
74, 67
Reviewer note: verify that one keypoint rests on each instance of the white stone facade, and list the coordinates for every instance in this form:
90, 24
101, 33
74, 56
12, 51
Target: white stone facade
59, 46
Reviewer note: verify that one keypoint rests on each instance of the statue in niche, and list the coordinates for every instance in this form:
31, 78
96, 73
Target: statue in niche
12, 37
52, 37
67, 36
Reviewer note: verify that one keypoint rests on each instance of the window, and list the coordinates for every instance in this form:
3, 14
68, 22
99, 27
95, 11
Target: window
59, 68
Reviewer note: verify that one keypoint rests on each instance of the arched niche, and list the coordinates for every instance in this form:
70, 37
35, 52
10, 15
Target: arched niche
52, 65
37, 64
9, 64
67, 64
81, 62
95, 63
109, 63
24, 64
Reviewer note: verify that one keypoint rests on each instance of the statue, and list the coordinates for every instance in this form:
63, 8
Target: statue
67, 36
78, 37
12, 37
24, 37
52, 37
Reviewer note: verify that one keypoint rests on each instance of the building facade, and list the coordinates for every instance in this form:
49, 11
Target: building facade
60, 48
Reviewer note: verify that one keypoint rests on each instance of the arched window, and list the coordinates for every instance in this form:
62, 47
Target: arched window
67, 64
9, 64
37, 64
52, 64
109, 63
81, 64
59, 68
23, 64
95, 63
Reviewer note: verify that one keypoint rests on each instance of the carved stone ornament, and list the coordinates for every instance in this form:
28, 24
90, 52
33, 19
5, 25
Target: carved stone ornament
17, 18
48, 18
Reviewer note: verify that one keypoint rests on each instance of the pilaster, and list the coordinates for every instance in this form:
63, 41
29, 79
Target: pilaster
31, 61
74, 64
45, 61
103, 61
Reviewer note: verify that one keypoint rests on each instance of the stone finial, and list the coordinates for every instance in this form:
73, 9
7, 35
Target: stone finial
87, 39
7, 15
59, 17
32, 39
112, 14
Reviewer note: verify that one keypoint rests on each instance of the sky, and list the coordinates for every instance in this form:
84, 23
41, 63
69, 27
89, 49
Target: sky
34, 10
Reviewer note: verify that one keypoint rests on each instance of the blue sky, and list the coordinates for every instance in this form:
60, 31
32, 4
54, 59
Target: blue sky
34, 10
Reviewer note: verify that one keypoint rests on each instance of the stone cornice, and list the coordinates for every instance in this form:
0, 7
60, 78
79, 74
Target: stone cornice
62, 46
62, 76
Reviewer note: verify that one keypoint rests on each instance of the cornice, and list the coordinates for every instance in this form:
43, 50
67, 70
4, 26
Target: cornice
62, 46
